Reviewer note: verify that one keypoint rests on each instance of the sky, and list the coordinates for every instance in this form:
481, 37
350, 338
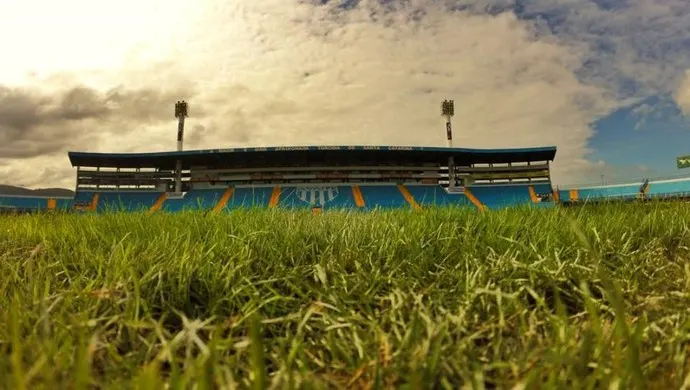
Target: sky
606, 81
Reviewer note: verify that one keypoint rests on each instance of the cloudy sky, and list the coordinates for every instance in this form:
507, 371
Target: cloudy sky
606, 81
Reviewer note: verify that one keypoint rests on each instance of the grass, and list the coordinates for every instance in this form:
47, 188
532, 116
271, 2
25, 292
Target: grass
590, 297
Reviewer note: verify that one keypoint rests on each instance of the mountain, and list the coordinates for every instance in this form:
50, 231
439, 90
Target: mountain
21, 191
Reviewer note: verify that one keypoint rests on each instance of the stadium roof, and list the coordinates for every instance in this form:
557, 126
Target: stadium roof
310, 155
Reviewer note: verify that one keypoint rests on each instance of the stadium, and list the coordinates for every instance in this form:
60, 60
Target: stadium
326, 177
315, 177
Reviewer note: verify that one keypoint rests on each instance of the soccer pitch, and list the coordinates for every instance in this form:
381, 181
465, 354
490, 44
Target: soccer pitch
587, 297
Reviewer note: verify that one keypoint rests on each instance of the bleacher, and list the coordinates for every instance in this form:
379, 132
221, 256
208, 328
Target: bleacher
84, 197
24, 202
510, 195
136, 201
648, 189
250, 197
324, 197
317, 177
18, 203
292, 197
344, 197
619, 192
194, 200
669, 188
428, 195
383, 196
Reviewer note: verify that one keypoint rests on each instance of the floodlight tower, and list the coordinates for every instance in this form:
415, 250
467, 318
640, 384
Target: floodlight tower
448, 110
180, 114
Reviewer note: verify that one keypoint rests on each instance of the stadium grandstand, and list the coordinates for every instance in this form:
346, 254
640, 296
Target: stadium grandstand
315, 177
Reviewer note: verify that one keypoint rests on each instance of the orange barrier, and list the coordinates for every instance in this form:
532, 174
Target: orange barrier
357, 193
275, 197
474, 199
159, 202
533, 194
223, 201
408, 197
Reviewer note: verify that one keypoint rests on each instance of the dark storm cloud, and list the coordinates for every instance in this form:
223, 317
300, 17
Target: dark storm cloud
197, 134
79, 103
20, 110
239, 131
143, 105
33, 124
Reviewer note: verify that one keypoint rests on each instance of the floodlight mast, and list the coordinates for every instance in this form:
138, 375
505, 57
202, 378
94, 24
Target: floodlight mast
448, 110
180, 114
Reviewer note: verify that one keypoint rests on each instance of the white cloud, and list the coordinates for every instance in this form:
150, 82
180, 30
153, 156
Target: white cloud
275, 72
682, 94
638, 49
596, 172
43, 172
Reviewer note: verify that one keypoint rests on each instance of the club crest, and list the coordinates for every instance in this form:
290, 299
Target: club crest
317, 196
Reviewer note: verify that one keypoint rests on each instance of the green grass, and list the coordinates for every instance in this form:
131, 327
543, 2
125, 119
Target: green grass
591, 297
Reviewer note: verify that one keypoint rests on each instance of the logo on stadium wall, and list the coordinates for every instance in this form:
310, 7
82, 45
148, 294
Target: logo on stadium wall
317, 196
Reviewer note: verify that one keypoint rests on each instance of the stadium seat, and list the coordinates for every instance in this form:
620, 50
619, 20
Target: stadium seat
669, 188
436, 195
85, 201
64, 203
382, 196
543, 188
24, 203
500, 196
83, 196
564, 195
127, 201
194, 200
619, 192
248, 197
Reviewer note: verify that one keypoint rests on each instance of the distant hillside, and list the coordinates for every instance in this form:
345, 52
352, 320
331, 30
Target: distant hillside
14, 190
